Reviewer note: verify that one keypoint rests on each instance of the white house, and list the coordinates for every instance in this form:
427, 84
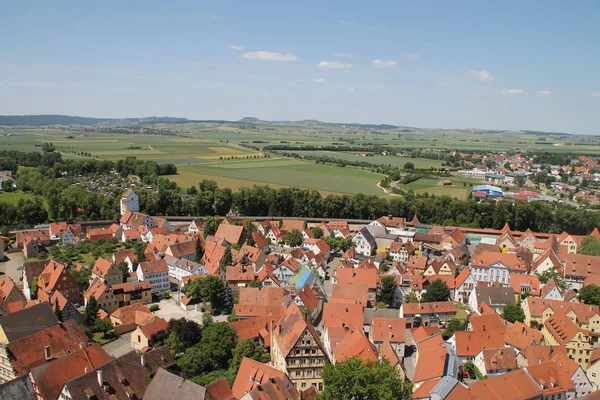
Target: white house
129, 202
157, 272
400, 251
364, 242
197, 226
499, 361
180, 268
133, 220
464, 285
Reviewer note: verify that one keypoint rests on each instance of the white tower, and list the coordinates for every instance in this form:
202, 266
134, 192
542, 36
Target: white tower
130, 202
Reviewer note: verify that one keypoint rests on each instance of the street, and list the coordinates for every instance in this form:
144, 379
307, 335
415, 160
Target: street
10, 265
118, 347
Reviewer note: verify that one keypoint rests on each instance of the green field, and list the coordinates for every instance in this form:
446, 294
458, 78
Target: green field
14, 197
377, 159
435, 186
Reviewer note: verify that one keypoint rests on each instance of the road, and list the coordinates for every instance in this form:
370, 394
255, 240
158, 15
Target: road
118, 347
11, 267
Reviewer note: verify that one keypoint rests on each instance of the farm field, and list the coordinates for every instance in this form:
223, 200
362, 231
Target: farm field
283, 173
14, 197
435, 187
376, 159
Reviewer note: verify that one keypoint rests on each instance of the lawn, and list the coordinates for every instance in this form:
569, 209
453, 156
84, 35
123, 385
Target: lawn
13, 197
102, 339
435, 187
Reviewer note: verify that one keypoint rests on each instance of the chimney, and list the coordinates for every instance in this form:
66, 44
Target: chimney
47, 353
85, 371
143, 360
100, 380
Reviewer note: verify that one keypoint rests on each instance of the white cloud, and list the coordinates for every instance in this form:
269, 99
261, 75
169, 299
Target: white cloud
237, 46
595, 93
483, 76
511, 92
383, 63
545, 93
320, 80
342, 54
410, 56
333, 65
269, 55
351, 90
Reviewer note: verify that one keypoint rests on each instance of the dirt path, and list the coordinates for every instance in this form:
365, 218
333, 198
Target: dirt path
150, 147
387, 191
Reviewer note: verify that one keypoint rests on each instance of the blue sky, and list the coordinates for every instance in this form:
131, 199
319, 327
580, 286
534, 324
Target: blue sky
439, 64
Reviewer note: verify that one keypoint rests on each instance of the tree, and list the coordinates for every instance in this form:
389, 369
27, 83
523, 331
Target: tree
57, 310
354, 379
211, 224
590, 295
454, 325
520, 181
124, 270
293, 238
182, 334
211, 289
317, 232
412, 298
512, 313
255, 283
409, 166
81, 277
437, 291
213, 352
226, 259
90, 315
387, 290
245, 348
34, 288
590, 246
207, 319
552, 273
199, 251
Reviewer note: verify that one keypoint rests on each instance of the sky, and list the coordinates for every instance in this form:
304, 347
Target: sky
432, 64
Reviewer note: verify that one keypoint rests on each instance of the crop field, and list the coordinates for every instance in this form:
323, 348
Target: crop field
376, 159
460, 187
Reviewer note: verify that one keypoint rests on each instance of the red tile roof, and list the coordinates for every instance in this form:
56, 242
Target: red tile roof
469, 344
388, 329
252, 373
355, 344
513, 385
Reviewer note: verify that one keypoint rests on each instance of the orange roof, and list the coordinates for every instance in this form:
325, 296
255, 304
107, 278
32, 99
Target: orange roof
239, 273
101, 267
357, 292
432, 359
487, 322
469, 344
8, 286
133, 313
581, 265
291, 224
249, 328
291, 327
28, 352
220, 390
462, 277
513, 385
308, 297
96, 289
520, 335
367, 276
428, 308
388, 329
153, 327
231, 233
120, 256
423, 332
417, 262
132, 286
355, 344
154, 267
583, 312
487, 258
504, 358
342, 315
262, 296
520, 281
561, 327
537, 354
387, 352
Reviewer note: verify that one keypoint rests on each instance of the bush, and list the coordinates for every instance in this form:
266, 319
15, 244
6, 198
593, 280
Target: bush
154, 307
166, 295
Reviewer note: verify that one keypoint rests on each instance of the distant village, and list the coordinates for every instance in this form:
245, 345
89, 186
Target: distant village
460, 313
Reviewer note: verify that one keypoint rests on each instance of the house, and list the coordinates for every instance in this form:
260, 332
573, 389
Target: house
165, 385
103, 295
179, 268
494, 297
127, 318
185, 250
261, 302
129, 202
560, 330
513, 385
321, 247
368, 277
32, 269
135, 220
157, 272
256, 329
417, 264
499, 361
94, 234
18, 389
196, 227
9, 291
18, 324
490, 266
297, 350
551, 291
519, 336
464, 285
21, 355
275, 236
401, 251
31, 248
578, 267
593, 368
353, 344
343, 293
67, 309
146, 335
126, 256
56, 277
364, 242
252, 374
445, 387
106, 271
546, 261
220, 390
64, 232
468, 344
130, 236
239, 275
389, 330
538, 354
427, 314
561, 377
132, 292
48, 379
435, 359
525, 285
232, 234
288, 225
443, 267
571, 242
121, 378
